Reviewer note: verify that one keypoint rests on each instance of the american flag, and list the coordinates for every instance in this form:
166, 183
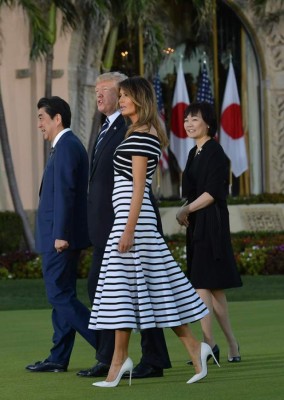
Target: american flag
164, 160
204, 87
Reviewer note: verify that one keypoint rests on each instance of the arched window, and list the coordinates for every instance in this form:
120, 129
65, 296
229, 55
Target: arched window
235, 38
235, 41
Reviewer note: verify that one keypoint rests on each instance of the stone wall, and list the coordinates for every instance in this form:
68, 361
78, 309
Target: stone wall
267, 32
256, 217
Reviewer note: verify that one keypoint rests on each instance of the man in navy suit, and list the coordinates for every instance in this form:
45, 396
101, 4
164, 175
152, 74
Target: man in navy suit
62, 232
100, 221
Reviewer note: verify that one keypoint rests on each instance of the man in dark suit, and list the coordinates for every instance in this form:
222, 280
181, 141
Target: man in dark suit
100, 220
62, 231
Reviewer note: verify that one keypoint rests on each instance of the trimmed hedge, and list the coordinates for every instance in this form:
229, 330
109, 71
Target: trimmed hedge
257, 253
11, 232
264, 198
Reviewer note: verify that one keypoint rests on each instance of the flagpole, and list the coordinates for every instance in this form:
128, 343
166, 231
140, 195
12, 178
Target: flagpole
244, 178
231, 172
180, 172
215, 58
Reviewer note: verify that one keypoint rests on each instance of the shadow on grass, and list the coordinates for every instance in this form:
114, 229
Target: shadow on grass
25, 294
25, 337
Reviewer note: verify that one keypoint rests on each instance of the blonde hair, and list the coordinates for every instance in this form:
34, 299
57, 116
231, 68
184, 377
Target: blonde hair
110, 76
142, 93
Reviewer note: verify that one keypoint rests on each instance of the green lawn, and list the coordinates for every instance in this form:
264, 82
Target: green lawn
25, 337
257, 316
25, 294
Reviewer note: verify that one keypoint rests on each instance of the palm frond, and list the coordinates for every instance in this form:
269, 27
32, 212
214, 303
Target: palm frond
38, 25
70, 18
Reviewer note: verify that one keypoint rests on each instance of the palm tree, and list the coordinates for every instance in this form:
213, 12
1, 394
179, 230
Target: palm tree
144, 22
95, 25
43, 40
147, 20
87, 18
38, 33
70, 19
100, 33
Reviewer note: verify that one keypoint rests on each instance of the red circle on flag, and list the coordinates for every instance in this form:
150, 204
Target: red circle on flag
177, 120
231, 121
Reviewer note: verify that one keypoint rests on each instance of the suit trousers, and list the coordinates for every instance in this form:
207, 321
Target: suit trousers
153, 344
69, 315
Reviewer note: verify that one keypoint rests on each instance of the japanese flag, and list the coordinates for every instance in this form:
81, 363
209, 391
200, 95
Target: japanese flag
231, 129
180, 144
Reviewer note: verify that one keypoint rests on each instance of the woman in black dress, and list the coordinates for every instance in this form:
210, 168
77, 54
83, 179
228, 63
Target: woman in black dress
210, 259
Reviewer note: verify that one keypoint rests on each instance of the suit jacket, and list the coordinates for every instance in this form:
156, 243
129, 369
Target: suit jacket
62, 210
100, 209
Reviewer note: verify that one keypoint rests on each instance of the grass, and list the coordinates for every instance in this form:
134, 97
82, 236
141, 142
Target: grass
25, 337
257, 317
23, 294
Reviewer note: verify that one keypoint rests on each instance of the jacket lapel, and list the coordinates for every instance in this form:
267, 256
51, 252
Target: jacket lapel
115, 126
52, 155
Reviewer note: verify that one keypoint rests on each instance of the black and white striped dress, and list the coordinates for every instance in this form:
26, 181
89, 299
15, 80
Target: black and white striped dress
144, 288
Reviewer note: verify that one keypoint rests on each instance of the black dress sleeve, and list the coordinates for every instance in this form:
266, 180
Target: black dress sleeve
216, 174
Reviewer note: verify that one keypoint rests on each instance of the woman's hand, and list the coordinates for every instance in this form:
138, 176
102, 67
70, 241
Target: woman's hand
125, 242
204, 200
182, 216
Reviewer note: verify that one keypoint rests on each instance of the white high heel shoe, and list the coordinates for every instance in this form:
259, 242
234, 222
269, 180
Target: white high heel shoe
127, 366
205, 351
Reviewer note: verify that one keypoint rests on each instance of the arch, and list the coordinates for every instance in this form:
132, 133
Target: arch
249, 29
251, 33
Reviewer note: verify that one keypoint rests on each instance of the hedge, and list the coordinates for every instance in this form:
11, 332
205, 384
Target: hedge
256, 253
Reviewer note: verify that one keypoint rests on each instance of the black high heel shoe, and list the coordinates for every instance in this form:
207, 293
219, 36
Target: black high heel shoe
215, 351
235, 359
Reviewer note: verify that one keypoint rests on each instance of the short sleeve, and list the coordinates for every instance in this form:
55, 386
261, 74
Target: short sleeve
141, 144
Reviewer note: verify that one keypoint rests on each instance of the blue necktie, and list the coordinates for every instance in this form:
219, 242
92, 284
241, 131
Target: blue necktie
51, 152
102, 134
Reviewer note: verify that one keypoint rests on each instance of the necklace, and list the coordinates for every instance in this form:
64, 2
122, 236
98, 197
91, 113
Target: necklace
199, 149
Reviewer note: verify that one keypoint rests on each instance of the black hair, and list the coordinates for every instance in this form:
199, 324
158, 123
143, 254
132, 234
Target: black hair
207, 113
55, 105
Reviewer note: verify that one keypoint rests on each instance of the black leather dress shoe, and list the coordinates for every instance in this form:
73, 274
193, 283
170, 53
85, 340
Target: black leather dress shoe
145, 371
46, 366
97, 370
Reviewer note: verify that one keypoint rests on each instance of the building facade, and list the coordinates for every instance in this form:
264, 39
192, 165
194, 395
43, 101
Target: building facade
23, 83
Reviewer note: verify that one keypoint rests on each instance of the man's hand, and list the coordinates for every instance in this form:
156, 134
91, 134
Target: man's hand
60, 245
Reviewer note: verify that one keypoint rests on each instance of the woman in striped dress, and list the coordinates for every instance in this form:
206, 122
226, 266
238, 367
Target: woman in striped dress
140, 285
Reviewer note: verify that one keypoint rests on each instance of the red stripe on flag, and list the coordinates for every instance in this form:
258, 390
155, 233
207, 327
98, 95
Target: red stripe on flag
231, 121
177, 120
